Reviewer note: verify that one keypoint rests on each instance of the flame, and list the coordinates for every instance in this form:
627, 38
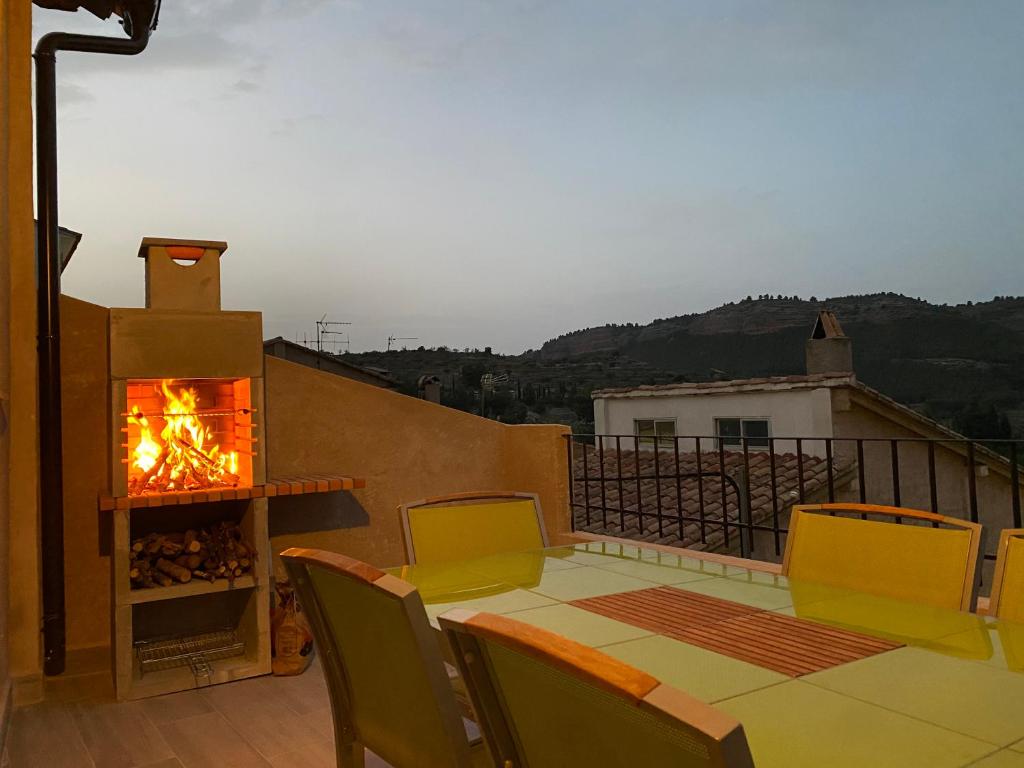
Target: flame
182, 458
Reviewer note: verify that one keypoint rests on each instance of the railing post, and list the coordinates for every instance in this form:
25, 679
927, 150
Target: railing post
572, 483
700, 492
972, 482
745, 521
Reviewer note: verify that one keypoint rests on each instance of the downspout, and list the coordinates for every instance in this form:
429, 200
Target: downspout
139, 19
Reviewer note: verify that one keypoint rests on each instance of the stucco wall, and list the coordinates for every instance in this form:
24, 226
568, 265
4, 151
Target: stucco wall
952, 489
405, 448
85, 397
19, 598
796, 413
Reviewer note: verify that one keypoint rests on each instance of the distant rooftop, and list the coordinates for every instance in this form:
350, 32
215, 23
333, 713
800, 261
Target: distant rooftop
770, 383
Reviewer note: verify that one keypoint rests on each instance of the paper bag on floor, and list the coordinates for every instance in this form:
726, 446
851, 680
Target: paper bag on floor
291, 640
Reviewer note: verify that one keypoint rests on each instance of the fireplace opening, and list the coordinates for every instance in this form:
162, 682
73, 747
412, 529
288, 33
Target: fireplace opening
188, 435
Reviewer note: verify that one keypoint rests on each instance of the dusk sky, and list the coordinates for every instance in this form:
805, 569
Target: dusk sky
497, 172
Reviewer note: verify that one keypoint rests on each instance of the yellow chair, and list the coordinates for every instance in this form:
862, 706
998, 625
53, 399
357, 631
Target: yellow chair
912, 562
388, 686
1007, 599
467, 526
547, 701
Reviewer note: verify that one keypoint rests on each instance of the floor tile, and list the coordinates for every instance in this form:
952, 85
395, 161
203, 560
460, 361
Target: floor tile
265, 721
578, 583
840, 732
303, 693
658, 573
118, 735
1019, 746
703, 674
43, 735
314, 754
759, 595
579, 625
322, 720
209, 741
973, 699
171, 762
175, 706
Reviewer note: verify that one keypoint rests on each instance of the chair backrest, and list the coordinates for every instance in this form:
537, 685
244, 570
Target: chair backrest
1007, 598
388, 686
544, 700
931, 560
466, 526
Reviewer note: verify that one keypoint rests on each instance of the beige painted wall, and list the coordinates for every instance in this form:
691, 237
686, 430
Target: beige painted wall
406, 449
85, 397
19, 597
796, 413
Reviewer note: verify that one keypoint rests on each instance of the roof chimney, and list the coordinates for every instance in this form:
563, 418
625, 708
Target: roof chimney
828, 350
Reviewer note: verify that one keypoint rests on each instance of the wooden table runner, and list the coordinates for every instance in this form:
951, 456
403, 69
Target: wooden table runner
781, 643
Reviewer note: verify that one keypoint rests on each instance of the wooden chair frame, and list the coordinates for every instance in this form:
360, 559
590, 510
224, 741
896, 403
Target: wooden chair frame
1000, 569
970, 586
348, 747
464, 499
463, 629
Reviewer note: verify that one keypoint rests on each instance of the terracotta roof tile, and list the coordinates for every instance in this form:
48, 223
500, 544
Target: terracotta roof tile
622, 507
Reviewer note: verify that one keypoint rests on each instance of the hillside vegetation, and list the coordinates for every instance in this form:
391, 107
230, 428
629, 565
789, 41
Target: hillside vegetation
961, 364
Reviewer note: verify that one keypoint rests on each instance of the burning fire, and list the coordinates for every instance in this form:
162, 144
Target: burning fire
182, 457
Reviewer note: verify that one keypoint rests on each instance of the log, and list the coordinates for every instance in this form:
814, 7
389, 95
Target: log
174, 570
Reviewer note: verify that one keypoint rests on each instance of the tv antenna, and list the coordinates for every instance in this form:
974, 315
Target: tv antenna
325, 331
393, 339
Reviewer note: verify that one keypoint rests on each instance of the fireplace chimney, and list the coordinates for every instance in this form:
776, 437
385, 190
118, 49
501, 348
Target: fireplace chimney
829, 350
182, 274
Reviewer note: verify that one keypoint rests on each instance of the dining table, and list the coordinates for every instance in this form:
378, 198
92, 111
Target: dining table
817, 675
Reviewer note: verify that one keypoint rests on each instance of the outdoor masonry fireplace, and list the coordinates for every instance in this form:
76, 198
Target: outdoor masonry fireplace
189, 493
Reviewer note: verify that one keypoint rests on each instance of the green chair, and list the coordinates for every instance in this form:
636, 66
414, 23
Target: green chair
388, 686
545, 701
467, 526
930, 560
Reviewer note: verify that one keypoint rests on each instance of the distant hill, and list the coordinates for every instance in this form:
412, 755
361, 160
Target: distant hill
962, 364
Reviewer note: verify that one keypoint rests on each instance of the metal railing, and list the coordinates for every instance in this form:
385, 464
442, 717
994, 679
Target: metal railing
694, 491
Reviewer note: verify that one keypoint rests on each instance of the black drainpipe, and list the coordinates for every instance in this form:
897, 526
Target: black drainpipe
139, 19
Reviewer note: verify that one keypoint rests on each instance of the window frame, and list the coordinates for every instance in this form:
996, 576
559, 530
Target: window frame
656, 439
730, 442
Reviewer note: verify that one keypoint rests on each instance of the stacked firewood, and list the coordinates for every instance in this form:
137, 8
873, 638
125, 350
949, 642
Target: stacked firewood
164, 559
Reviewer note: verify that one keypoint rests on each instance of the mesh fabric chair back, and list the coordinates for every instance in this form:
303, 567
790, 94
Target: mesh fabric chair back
930, 559
1007, 600
548, 702
472, 525
388, 686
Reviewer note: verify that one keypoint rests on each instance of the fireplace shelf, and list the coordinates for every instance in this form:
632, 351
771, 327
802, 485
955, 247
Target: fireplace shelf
283, 486
193, 588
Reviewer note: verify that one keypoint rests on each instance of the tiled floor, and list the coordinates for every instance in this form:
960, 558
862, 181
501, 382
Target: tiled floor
267, 722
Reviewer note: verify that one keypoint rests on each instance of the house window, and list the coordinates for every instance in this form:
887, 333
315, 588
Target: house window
730, 432
649, 429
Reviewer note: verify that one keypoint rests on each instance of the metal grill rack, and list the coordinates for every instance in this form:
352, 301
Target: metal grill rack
194, 651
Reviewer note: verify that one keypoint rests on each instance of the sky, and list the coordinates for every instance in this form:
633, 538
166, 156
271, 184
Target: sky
477, 173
